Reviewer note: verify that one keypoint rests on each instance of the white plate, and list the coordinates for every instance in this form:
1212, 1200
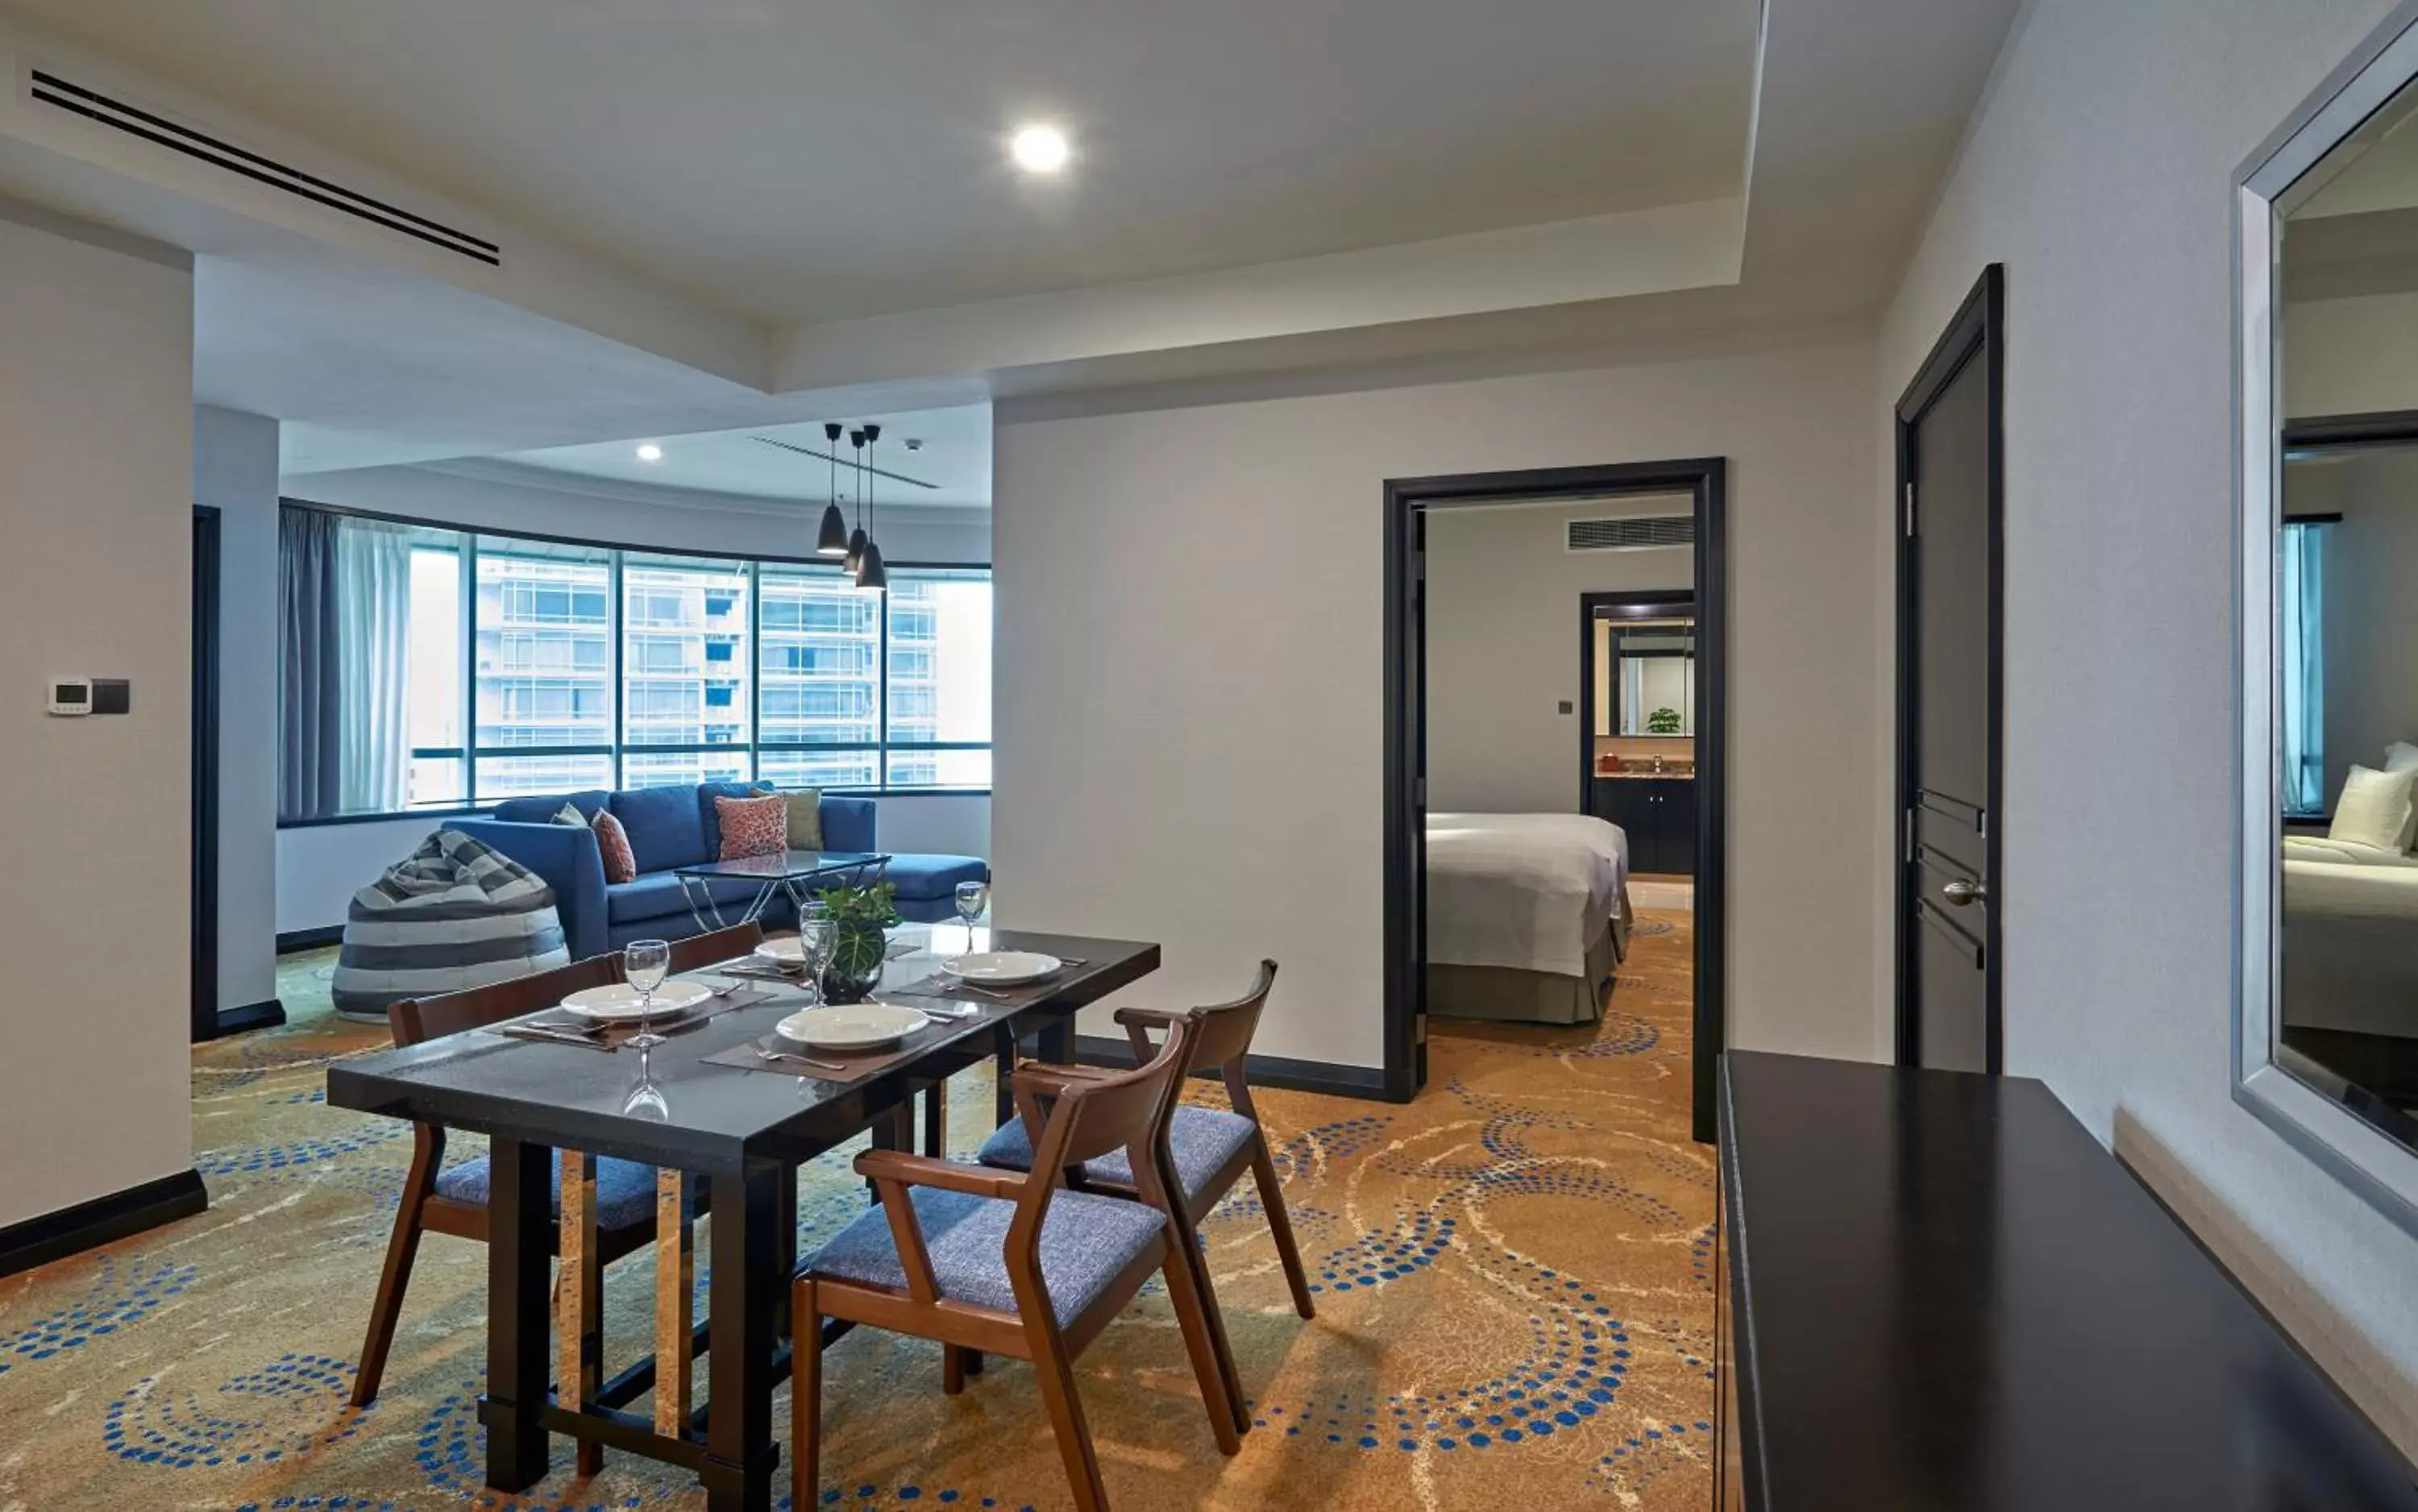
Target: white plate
789, 952
618, 1002
863, 1026
1001, 968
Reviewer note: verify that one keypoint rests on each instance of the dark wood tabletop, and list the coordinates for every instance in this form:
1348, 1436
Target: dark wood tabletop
720, 1117
1944, 1293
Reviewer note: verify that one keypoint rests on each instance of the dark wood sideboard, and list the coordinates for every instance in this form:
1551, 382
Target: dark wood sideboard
1936, 1290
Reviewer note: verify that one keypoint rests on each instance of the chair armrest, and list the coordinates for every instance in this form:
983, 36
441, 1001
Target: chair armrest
1048, 1079
946, 1175
1137, 1024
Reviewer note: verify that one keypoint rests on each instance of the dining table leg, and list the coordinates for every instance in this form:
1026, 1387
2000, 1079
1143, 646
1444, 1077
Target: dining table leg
520, 1216
749, 1277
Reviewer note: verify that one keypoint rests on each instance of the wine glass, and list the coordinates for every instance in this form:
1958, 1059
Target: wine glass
645, 963
818, 938
973, 897
646, 1099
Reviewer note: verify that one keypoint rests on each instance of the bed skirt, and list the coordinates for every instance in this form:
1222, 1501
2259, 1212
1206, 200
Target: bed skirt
1508, 993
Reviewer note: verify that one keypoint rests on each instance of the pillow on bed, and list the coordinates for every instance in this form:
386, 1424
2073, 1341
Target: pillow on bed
2375, 809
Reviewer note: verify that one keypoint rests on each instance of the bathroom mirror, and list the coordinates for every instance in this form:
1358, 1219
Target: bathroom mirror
1654, 672
2326, 1021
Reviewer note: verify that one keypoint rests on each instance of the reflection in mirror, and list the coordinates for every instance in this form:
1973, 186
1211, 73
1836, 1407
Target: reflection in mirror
1655, 663
2345, 610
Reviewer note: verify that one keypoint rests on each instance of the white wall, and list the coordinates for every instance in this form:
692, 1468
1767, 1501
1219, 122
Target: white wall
96, 478
235, 471
320, 867
632, 519
2099, 174
1503, 646
1189, 674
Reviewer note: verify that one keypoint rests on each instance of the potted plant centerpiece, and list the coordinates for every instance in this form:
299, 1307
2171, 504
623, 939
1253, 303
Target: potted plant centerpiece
858, 916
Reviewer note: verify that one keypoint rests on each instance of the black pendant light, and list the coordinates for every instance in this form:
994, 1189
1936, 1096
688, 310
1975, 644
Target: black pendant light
856, 540
870, 571
831, 541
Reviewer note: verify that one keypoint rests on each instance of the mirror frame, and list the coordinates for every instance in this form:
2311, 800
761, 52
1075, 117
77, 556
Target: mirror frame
2372, 1162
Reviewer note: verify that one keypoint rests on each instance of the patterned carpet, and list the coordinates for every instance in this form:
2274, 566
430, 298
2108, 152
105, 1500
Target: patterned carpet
1513, 1279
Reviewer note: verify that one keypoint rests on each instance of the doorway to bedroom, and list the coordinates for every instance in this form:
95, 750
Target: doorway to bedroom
1528, 903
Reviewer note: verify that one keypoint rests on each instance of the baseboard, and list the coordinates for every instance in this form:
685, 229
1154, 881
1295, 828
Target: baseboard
1264, 1070
87, 1225
296, 939
266, 1013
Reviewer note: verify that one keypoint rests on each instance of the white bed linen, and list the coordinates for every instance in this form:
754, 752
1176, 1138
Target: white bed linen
1529, 892
2351, 936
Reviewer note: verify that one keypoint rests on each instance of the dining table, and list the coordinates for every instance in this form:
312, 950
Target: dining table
739, 1130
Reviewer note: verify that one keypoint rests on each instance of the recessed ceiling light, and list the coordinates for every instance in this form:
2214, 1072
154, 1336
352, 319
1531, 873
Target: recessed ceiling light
1039, 149
651, 453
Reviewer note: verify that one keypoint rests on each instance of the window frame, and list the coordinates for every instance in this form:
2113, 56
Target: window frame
619, 749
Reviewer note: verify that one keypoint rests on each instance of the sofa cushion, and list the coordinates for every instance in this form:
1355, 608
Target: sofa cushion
712, 821
922, 879
658, 896
664, 827
805, 817
751, 826
613, 847
543, 810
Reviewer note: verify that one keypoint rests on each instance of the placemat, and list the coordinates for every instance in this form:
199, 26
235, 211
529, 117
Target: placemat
613, 1036
942, 984
853, 1067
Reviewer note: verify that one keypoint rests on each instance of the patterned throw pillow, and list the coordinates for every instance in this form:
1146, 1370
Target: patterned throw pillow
620, 864
805, 819
753, 826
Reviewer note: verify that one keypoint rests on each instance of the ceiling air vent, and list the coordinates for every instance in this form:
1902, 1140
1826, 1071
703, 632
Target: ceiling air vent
1634, 533
50, 89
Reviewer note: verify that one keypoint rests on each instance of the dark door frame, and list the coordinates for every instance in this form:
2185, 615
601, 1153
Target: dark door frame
206, 527
1645, 601
1407, 499
1977, 333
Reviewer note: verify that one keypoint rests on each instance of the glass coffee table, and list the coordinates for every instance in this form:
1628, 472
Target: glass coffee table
790, 872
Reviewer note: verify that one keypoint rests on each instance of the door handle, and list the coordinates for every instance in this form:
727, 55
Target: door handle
1964, 894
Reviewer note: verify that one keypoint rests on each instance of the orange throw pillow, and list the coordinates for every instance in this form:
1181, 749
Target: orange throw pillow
753, 826
620, 865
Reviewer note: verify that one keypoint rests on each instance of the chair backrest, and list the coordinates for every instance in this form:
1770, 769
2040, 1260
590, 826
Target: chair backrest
1221, 1037
417, 1019
698, 952
1128, 1112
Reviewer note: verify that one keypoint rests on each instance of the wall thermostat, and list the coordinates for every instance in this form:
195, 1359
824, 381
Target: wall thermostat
91, 695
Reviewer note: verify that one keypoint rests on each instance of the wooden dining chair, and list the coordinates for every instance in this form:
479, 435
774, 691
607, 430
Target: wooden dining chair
614, 1199
697, 952
1209, 1148
1012, 1263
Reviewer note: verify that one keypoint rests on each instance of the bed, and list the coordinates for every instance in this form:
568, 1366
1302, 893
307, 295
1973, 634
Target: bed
1528, 915
2350, 938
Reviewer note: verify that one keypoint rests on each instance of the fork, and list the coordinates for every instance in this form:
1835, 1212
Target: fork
763, 1054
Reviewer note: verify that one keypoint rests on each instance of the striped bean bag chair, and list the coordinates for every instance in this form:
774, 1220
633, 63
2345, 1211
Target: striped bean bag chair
458, 913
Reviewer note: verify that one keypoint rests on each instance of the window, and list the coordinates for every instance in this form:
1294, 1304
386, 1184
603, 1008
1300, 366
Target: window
2302, 715
533, 667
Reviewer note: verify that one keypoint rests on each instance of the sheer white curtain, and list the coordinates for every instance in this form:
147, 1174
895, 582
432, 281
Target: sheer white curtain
373, 649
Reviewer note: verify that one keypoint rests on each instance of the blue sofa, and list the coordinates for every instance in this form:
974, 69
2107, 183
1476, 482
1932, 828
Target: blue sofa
675, 826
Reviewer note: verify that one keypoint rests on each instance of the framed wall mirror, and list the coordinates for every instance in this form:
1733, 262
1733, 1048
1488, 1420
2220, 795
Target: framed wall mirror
2326, 1012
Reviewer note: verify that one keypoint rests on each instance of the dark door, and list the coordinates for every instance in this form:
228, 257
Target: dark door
205, 774
1949, 696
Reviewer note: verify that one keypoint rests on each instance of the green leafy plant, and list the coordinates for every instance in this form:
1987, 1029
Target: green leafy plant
858, 917
1663, 720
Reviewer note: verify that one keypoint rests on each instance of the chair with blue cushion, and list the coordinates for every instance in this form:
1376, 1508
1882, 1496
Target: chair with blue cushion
1012, 1263
1208, 1148
437, 1200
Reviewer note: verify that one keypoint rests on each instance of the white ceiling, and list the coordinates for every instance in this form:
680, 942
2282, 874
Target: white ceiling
845, 158
692, 197
954, 461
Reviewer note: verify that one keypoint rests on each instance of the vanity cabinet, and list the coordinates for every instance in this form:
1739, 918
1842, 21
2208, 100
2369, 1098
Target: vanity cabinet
1659, 816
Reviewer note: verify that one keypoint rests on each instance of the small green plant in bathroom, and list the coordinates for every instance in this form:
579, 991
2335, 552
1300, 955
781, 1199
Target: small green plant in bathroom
1663, 720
